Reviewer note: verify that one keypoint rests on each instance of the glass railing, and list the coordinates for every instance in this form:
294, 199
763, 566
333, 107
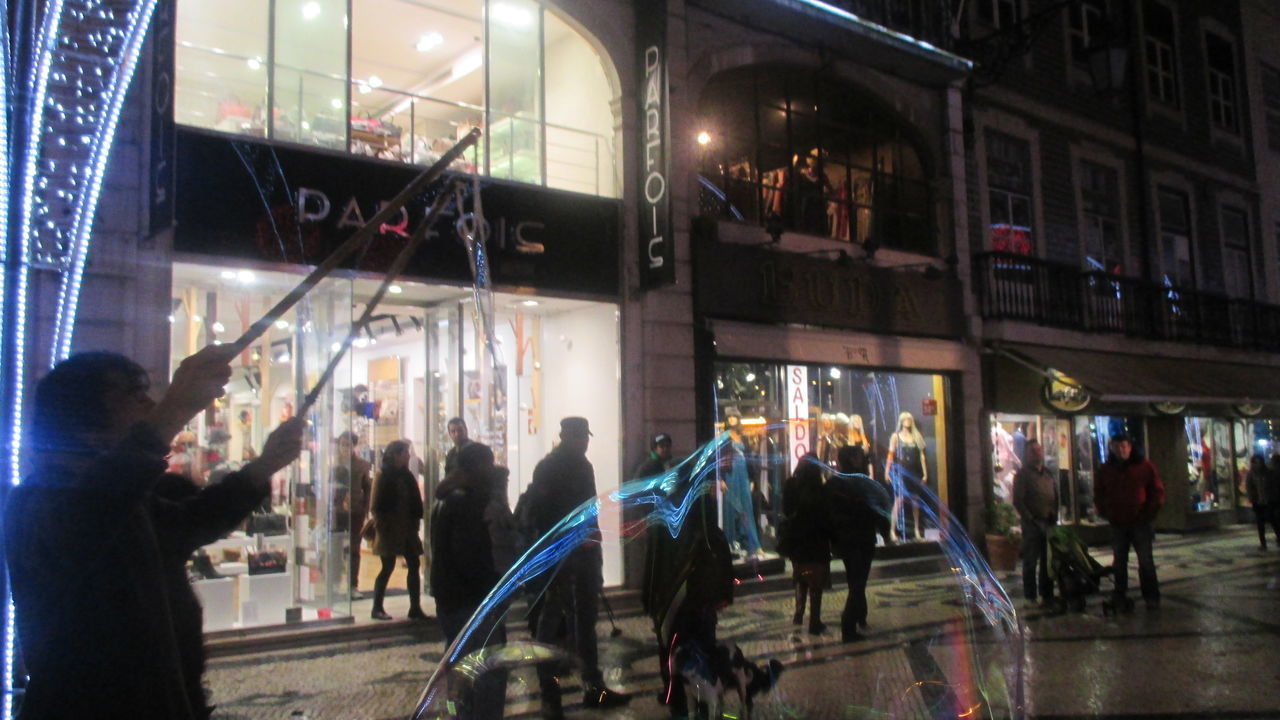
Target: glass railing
228, 93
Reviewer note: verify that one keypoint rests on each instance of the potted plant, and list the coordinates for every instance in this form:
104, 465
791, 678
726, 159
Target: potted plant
1004, 536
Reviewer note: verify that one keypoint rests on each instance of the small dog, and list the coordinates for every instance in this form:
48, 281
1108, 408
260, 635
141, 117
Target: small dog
708, 677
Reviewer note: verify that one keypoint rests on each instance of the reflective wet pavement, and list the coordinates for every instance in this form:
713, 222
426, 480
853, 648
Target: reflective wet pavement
1212, 650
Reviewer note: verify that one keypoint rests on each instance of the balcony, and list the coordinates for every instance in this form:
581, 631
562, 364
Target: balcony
1027, 289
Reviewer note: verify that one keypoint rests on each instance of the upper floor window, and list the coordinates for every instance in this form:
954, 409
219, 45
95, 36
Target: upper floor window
1009, 193
402, 81
1085, 28
1159, 48
1237, 265
1175, 238
792, 149
1221, 64
1271, 100
1100, 205
999, 13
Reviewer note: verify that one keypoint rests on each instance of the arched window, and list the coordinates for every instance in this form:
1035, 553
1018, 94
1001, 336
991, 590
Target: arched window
787, 146
402, 80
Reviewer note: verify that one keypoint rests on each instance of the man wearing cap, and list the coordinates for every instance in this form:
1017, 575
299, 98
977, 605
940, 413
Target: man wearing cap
1128, 492
659, 459
562, 481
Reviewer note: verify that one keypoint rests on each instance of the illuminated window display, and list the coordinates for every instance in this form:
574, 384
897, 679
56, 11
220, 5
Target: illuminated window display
1092, 436
1255, 436
1211, 465
420, 361
901, 418
1009, 437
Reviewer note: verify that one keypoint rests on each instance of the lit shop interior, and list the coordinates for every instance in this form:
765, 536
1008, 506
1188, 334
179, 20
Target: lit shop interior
402, 80
420, 362
841, 405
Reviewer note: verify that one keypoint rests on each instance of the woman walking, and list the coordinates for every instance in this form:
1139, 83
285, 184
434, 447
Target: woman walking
808, 539
397, 514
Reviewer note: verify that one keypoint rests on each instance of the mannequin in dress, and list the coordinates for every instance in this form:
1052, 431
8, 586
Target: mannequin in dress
906, 461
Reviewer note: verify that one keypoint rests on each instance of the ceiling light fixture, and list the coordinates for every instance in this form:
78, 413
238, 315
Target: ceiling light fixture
395, 289
375, 81
228, 274
512, 16
428, 42
245, 276
311, 10
529, 303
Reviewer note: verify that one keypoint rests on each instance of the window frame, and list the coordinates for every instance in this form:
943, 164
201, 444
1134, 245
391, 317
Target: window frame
1017, 130
1165, 185
1157, 94
1102, 160
1216, 80
1236, 206
1270, 103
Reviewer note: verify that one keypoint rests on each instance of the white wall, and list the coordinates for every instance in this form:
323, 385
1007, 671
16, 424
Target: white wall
578, 96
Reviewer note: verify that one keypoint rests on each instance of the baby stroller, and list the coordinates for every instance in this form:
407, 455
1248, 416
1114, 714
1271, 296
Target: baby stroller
1074, 571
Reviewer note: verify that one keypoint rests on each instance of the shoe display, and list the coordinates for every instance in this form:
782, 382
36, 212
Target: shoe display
379, 614
599, 696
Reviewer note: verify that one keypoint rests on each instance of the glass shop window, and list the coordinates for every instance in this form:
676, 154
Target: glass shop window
900, 420
1255, 436
1091, 438
1009, 437
791, 150
403, 81
1211, 464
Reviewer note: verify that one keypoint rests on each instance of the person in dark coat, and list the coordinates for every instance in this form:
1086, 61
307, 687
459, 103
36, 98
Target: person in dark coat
1257, 486
351, 475
808, 539
457, 428
97, 538
562, 481
1128, 492
464, 566
688, 579
860, 510
1035, 497
397, 515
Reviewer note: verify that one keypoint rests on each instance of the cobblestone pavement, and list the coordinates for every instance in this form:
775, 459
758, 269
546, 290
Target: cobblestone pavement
1213, 650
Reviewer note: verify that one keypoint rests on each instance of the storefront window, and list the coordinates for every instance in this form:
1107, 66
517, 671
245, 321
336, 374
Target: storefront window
899, 418
289, 560
403, 81
787, 146
1009, 437
1092, 437
420, 361
1211, 465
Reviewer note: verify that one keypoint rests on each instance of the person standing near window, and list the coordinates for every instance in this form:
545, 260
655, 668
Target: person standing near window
1128, 492
1035, 497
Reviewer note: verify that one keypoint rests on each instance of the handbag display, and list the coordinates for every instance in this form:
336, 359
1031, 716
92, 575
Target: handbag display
267, 562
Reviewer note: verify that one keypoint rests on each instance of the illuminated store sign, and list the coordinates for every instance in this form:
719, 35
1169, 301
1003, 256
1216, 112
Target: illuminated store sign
657, 251
799, 442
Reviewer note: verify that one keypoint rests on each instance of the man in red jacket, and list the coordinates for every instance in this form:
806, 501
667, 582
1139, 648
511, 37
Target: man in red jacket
1128, 492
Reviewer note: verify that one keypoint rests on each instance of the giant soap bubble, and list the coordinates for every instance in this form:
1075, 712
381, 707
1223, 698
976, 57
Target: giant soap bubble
945, 644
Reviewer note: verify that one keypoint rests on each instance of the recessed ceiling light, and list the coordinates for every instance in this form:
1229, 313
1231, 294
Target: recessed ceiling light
529, 303
361, 342
336, 103
219, 327
196, 319
375, 81
228, 274
311, 10
335, 347
364, 88
512, 16
245, 276
395, 289
254, 63
282, 324
428, 42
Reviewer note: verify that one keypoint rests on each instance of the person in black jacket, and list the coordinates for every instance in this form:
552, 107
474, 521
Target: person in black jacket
463, 568
397, 515
97, 538
859, 511
808, 539
658, 459
562, 481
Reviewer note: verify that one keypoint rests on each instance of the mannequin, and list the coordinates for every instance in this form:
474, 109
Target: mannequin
906, 460
739, 527
1007, 462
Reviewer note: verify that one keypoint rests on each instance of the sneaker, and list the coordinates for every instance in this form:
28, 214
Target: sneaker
379, 614
599, 696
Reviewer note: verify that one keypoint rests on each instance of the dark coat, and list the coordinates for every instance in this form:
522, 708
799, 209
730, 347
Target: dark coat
462, 561
859, 509
109, 625
397, 514
808, 521
561, 482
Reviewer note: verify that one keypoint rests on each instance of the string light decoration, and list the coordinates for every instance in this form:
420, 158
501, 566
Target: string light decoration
71, 83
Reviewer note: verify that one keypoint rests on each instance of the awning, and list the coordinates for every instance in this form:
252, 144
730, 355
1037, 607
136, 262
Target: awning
1118, 377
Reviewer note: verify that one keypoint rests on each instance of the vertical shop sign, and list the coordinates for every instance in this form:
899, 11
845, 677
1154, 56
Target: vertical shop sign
797, 414
162, 139
657, 251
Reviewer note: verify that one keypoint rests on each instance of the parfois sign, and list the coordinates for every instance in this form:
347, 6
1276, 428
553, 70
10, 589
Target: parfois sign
657, 256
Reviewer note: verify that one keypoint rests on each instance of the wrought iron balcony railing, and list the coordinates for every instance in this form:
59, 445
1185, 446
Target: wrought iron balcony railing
1018, 287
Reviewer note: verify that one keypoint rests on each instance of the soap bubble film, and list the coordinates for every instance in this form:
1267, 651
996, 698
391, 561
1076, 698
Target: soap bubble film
945, 644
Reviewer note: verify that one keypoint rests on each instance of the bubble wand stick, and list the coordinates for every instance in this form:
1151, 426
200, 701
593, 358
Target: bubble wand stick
392, 207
